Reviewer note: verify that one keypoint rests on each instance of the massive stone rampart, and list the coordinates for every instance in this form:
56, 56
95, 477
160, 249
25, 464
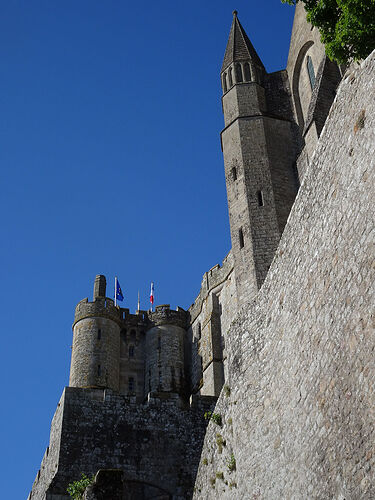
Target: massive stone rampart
155, 444
298, 409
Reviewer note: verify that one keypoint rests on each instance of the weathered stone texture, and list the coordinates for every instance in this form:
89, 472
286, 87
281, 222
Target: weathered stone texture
299, 418
210, 317
95, 354
165, 370
157, 443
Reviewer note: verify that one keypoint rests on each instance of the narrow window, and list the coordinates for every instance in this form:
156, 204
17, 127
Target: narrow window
99, 334
123, 335
246, 70
260, 198
310, 70
240, 237
225, 88
131, 384
234, 173
99, 370
160, 379
131, 351
230, 77
239, 73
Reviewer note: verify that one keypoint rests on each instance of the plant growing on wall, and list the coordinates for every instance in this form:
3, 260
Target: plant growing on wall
347, 27
76, 489
231, 464
215, 417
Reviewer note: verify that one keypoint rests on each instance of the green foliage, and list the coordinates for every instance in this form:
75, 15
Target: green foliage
347, 27
215, 417
226, 390
220, 475
205, 461
213, 481
76, 489
231, 464
207, 415
220, 441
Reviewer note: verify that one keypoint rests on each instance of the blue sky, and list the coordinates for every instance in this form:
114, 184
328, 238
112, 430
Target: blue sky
110, 163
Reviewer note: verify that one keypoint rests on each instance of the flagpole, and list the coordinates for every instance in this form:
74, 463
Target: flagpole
139, 305
115, 291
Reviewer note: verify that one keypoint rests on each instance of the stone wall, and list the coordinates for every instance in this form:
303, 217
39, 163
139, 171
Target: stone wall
50, 461
210, 317
298, 412
156, 444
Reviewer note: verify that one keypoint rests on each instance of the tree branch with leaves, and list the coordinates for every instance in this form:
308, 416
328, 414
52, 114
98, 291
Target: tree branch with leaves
347, 27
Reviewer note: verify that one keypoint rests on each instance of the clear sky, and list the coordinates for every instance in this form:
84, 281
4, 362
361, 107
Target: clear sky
110, 159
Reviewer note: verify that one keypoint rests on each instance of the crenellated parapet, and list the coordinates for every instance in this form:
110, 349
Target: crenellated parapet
216, 276
164, 315
133, 354
101, 307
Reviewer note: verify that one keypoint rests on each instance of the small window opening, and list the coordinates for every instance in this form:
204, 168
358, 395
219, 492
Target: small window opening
99, 370
234, 173
247, 74
239, 78
123, 335
260, 198
240, 237
99, 334
230, 77
131, 351
159, 378
131, 384
310, 70
225, 88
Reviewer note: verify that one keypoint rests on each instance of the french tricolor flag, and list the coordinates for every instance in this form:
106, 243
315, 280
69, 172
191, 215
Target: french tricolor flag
152, 293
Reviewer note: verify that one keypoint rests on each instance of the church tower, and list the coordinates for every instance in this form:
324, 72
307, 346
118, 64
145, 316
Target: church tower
259, 153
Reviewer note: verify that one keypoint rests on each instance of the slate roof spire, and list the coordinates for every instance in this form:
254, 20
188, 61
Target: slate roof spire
239, 47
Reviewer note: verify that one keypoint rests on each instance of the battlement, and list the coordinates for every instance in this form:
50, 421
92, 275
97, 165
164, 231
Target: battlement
104, 307
211, 279
101, 306
164, 315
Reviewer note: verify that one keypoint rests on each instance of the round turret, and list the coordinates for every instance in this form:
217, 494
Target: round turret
165, 351
96, 341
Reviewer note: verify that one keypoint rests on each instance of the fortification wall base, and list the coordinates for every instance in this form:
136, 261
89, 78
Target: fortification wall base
298, 412
156, 444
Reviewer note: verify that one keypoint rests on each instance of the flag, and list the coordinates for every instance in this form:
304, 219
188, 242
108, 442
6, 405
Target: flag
152, 293
118, 292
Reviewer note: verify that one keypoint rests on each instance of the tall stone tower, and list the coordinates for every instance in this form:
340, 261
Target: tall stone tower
259, 153
96, 342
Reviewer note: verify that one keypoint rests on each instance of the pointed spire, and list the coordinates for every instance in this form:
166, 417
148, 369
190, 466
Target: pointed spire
239, 47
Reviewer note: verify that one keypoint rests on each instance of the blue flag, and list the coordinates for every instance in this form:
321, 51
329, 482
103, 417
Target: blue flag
119, 295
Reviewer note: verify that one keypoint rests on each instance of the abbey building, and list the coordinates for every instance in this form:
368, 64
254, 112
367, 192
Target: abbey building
141, 384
